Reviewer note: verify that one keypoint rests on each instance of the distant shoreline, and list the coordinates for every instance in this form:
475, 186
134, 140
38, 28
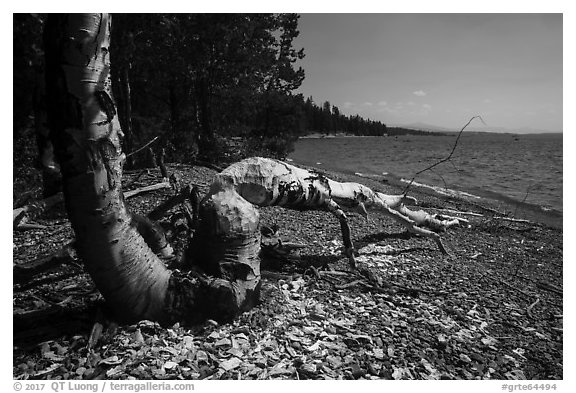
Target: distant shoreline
318, 135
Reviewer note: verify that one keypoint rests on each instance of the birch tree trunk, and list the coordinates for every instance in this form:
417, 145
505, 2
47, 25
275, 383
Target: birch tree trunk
86, 135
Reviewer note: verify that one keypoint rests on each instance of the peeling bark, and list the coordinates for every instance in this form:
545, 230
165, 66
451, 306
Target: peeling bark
113, 243
268, 182
153, 235
227, 245
86, 135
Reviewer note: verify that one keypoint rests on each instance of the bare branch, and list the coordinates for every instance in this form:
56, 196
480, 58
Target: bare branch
525, 197
441, 178
153, 187
444, 159
143, 147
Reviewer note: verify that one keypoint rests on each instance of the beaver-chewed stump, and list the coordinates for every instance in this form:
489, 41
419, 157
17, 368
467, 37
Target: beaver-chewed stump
227, 241
227, 247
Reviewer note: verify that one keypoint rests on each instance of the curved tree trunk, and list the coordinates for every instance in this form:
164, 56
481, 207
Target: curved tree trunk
86, 135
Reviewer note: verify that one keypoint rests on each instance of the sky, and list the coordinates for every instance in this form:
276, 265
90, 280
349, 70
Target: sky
437, 69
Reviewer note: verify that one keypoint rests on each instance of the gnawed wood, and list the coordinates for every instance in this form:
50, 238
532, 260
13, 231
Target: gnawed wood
227, 242
268, 182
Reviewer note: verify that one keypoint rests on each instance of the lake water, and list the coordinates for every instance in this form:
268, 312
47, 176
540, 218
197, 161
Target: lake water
512, 168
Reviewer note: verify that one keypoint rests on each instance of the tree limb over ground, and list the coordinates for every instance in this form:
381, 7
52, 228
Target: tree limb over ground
268, 182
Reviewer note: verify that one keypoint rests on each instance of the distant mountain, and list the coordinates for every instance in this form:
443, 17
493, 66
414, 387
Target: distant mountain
521, 130
530, 130
477, 128
424, 127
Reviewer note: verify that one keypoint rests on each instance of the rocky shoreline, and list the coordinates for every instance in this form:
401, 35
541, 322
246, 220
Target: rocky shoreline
491, 310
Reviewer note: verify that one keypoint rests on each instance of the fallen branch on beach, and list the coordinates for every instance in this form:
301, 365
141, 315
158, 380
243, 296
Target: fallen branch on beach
452, 211
511, 219
430, 167
267, 182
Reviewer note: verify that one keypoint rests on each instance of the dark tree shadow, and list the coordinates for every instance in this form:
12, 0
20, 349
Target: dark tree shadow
33, 328
291, 264
379, 237
383, 236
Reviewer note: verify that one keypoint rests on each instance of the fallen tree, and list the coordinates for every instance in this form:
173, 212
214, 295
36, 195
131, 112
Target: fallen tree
267, 182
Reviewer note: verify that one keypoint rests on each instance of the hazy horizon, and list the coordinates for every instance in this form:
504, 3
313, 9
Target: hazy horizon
437, 69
